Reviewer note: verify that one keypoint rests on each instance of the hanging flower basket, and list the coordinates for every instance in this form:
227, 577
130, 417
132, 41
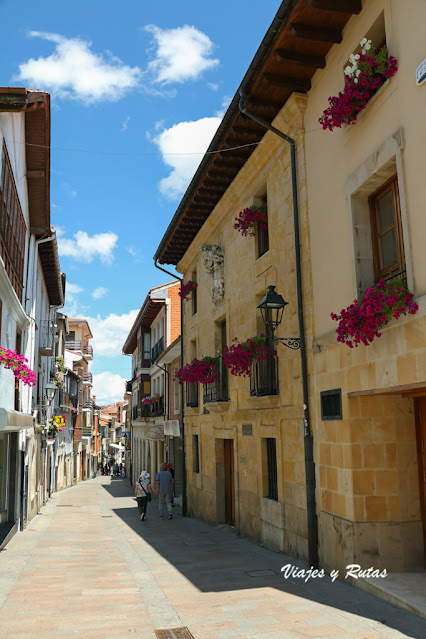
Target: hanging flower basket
186, 290
238, 358
245, 222
367, 71
146, 401
202, 371
53, 428
15, 362
362, 321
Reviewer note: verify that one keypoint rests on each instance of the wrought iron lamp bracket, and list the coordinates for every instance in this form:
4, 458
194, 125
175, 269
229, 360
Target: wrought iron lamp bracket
290, 342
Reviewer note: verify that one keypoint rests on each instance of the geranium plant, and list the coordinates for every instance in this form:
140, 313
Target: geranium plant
202, 371
16, 363
366, 72
60, 369
239, 357
146, 401
245, 222
363, 320
186, 290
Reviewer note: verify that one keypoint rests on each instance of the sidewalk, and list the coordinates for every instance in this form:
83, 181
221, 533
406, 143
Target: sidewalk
89, 567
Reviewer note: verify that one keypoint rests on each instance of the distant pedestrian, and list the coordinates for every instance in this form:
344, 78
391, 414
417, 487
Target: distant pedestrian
172, 472
164, 484
142, 491
123, 472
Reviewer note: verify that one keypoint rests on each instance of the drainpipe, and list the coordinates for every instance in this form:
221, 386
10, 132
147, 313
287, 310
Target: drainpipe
307, 433
184, 496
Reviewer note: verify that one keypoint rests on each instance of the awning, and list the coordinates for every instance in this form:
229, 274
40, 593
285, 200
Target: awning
118, 446
172, 428
12, 421
156, 434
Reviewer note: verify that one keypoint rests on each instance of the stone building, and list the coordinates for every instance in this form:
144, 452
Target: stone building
321, 448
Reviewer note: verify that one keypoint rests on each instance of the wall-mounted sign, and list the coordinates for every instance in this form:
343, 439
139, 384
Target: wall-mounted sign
247, 429
60, 421
421, 73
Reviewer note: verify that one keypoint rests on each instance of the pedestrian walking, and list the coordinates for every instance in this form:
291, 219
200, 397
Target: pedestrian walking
143, 493
123, 472
172, 472
164, 484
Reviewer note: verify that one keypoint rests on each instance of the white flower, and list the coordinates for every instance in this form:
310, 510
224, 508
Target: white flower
363, 52
348, 70
352, 58
357, 56
358, 72
356, 80
363, 41
367, 46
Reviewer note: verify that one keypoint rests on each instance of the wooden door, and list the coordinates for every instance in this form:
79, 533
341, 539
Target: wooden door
421, 456
229, 482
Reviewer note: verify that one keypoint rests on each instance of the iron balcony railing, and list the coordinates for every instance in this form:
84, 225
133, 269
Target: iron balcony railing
134, 412
145, 410
157, 407
86, 431
192, 394
264, 376
157, 349
75, 345
87, 378
46, 337
217, 391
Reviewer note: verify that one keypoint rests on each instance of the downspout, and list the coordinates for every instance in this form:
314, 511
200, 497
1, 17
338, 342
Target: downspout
307, 432
184, 496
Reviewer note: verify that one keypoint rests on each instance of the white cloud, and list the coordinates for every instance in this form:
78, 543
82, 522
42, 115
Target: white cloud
182, 54
74, 71
99, 292
189, 138
110, 332
108, 388
125, 123
85, 247
213, 86
226, 101
73, 289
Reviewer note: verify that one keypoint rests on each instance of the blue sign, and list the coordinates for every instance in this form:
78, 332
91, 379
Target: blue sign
421, 73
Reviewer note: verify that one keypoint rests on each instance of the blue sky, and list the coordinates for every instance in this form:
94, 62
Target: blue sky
132, 78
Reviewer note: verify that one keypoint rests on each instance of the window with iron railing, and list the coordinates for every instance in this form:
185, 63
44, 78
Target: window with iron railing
217, 391
264, 376
192, 394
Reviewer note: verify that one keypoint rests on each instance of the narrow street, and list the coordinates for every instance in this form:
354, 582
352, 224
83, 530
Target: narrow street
88, 566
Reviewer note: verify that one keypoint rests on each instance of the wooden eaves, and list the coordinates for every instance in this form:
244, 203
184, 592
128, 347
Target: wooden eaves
293, 49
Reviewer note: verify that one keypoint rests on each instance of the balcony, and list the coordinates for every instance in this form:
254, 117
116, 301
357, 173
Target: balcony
192, 395
128, 386
134, 412
86, 431
264, 377
157, 349
157, 407
76, 345
88, 378
66, 400
144, 410
45, 338
217, 391
87, 404
41, 414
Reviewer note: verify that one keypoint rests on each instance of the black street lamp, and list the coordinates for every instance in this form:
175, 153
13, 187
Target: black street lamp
272, 311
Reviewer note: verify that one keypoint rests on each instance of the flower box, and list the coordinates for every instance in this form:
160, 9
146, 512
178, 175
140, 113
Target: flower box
367, 71
362, 321
245, 222
15, 362
202, 371
238, 358
186, 290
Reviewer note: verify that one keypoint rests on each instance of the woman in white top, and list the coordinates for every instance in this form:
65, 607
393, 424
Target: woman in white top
142, 490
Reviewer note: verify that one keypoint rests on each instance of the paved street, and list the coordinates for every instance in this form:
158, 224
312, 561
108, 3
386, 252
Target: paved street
88, 566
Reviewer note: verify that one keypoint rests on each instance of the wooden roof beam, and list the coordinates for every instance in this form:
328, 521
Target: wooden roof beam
268, 107
319, 34
33, 174
298, 84
343, 6
301, 59
241, 130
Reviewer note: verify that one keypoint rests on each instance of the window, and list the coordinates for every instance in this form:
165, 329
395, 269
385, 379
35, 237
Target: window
195, 454
386, 231
194, 293
12, 227
176, 395
331, 404
261, 232
147, 346
271, 483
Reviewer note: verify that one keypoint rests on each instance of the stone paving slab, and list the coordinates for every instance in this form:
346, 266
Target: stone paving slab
87, 566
